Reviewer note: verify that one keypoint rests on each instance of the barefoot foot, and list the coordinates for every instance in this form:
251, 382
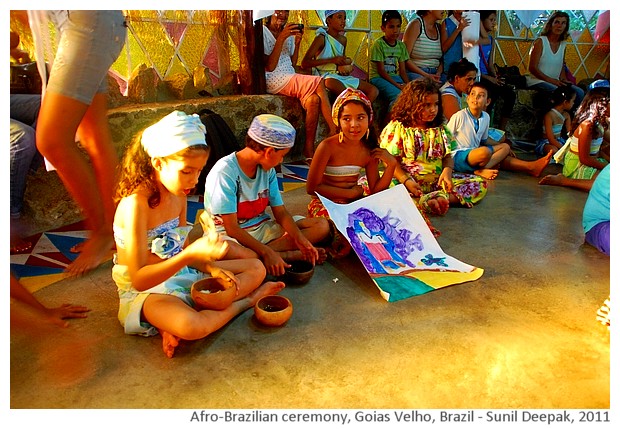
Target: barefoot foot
540, 164
77, 248
322, 255
169, 343
92, 254
487, 173
438, 205
267, 288
552, 179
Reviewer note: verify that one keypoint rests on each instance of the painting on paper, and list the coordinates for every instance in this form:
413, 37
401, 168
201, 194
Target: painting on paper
391, 239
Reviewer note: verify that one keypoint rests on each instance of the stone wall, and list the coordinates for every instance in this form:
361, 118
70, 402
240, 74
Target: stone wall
238, 112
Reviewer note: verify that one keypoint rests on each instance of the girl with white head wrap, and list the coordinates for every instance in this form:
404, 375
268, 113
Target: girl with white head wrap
173, 133
156, 265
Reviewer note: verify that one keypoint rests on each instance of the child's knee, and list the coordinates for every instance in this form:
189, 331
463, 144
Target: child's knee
322, 227
255, 268
312, 101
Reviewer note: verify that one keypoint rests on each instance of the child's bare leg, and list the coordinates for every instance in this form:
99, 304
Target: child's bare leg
334, 85
250, 273
315, 229
500, 152
176, 320
311, 106
533, 168
561, 180
369, 89
58, 122
237, 251
326, 108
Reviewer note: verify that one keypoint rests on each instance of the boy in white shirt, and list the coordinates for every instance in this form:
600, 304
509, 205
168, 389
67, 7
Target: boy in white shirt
478, 153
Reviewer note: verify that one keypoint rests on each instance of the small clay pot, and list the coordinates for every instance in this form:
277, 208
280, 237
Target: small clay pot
273, 310
299, 273
213, 293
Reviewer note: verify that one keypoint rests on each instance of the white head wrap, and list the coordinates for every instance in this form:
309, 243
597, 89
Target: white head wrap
272, 130
173, 133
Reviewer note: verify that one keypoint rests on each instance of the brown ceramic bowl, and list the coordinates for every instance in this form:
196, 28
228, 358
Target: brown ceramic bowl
213, 293
273, 310
299, 273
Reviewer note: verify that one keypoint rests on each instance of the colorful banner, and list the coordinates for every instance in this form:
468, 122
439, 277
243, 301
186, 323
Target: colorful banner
389, 235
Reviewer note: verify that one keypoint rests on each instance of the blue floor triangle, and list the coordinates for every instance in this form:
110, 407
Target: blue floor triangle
20, 270
192, 209
64, 244
299, 170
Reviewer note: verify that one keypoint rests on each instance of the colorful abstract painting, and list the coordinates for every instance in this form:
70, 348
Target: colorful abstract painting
389, 235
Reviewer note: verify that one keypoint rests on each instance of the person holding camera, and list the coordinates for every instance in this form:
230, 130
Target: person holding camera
281, 48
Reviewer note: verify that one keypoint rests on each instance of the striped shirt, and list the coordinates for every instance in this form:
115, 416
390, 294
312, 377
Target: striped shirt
426, 52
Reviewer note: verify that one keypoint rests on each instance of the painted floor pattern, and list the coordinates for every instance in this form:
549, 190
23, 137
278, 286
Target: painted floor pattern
51, 253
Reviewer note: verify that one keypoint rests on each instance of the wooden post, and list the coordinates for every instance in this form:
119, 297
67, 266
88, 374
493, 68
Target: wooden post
258, 68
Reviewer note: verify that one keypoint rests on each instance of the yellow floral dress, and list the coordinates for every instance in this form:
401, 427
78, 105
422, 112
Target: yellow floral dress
422, 151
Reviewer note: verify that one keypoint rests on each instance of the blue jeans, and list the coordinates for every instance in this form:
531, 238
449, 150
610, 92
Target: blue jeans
549, 87
386, 89
24, 154
429, 70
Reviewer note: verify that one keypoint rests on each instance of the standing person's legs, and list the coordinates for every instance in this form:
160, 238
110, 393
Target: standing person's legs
76, 101
94, 135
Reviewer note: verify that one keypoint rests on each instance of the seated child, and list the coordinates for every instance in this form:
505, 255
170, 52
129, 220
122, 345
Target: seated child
326, 57
388, 56
555, 120
241, 186
596, 217
422, 144
583, 155
478, 153
339, 160
155, 266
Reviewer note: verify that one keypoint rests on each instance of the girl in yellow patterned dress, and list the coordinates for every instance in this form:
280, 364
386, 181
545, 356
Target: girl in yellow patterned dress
417, 137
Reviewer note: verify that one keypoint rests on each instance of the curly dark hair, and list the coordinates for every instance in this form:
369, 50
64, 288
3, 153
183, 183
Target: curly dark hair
595, 108
137, 172
409, 104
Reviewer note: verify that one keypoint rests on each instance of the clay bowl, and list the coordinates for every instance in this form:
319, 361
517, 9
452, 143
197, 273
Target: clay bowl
273, 310
299, 273
213, 294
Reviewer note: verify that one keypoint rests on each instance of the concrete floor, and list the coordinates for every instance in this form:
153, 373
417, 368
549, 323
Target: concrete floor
522, 336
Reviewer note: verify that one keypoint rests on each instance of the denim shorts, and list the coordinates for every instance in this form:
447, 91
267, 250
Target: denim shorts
90, 42
460, 160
